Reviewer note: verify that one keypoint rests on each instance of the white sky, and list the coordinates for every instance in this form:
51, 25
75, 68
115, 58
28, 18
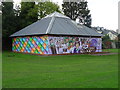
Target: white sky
104, 12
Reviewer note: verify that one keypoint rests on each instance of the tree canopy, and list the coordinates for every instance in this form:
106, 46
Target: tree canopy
106, 42
8, 18
45, 8
78, 10
28, 13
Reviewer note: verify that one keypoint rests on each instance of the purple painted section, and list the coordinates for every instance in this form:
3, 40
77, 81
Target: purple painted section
61, 45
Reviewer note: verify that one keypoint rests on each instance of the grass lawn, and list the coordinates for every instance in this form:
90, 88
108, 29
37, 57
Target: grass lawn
112, 50
75, 71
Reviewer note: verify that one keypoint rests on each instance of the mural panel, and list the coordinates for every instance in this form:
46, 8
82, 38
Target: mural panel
61, 45
56, 45
38, 45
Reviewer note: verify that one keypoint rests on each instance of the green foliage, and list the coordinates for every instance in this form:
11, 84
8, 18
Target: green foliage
111, 50
77, 9
71, 71
106, 38
28, 13
45, 8
8, 19
118, 41
106, 42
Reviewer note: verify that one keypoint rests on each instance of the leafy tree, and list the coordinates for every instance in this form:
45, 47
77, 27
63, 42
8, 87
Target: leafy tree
106, 42
45, 8
77, 10
8, 18
8, 24
28, 14
17, 18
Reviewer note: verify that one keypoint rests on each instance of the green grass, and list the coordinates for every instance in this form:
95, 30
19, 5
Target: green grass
112, 50
75, 71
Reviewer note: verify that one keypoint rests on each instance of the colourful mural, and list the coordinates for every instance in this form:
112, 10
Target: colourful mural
38, 45
61, 45
56, 45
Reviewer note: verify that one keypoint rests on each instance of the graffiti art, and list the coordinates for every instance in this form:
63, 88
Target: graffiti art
61, 45
56, 45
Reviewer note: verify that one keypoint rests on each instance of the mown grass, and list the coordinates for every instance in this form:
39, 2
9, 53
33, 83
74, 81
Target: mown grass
70, 71
112, 50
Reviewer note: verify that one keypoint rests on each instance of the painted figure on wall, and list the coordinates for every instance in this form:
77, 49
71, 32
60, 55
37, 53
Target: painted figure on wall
93, 45
52, 46
61, 45
77, 48
71, 47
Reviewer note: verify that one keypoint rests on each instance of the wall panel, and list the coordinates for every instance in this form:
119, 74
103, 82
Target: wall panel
35, 44
56, 45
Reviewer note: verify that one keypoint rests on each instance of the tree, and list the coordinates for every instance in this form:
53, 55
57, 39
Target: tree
78, 10
45, 8
8, 24
106, 42
8, 18
28, 14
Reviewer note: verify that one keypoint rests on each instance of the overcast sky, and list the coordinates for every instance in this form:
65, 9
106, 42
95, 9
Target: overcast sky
104, 12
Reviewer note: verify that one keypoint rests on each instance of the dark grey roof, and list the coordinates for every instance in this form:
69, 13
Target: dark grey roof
38, 27
107, 31
58, 24
113, 32
90, 31
65, 26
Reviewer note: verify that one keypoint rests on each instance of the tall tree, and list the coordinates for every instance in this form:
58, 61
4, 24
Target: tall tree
8, 18
77, 10
106, 42
45, 8
28, 13
8, 24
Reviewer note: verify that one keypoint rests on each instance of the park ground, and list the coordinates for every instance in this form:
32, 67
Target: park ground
68, 71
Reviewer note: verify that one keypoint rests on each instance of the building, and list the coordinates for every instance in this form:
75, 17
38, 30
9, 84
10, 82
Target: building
98, 29
112, 34
56, 34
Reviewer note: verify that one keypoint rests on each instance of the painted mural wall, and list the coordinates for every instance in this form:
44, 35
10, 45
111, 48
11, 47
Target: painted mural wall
61, 45
56, 45
37, 45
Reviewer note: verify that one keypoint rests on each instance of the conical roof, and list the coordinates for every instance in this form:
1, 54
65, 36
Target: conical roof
57, 24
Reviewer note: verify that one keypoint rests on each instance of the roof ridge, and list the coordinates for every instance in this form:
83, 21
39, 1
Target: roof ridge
50, 25
56, 14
